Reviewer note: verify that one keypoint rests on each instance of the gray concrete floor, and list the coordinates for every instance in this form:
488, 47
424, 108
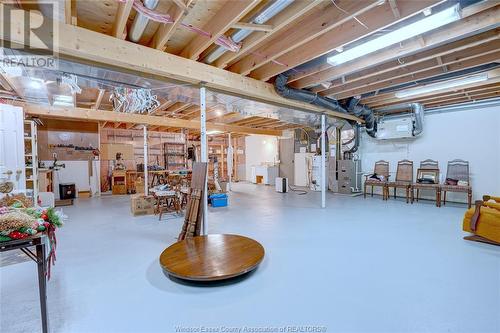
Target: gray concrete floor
357, 266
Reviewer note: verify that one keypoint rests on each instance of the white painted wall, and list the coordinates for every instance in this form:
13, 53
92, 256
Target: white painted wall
472, 134
259, 149
77, 172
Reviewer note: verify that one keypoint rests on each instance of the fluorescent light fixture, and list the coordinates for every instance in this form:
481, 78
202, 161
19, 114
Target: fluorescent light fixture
213, 132
426, 24
440, 86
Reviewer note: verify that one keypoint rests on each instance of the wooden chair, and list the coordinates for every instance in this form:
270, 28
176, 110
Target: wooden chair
404, 179
457, 170
430, 165
381, 169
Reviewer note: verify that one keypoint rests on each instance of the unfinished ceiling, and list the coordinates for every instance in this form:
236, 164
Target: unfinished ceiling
261, 39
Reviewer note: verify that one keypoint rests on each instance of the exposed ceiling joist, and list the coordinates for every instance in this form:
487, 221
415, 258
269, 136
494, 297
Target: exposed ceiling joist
476, 22
124, 9
307, 29
377, 18
165, 31
421, 75
110, 116
218, 25
91, 47
253, 26
280, 21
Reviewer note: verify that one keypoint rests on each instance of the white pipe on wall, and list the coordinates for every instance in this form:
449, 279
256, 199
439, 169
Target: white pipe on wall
229, 161
204, 155
323, 161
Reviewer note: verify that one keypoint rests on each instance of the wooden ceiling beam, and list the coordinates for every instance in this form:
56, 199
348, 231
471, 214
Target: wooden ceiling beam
493, 78
79, 44
386, 99
390, 78
421, 75
98, 101
289, 15
231, 13
122, 14
377, 18
166, 30
318, 22
406, 51
111, 116
253, 26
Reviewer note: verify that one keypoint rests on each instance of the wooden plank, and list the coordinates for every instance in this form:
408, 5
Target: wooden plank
425, 74
110, 116
76, 43
378, 18
436, 63
395, 9
122, 15
253, 26
307, 29
406, 62
289, 15
493, 78
232, 12
165, 31
468, 25
98, 101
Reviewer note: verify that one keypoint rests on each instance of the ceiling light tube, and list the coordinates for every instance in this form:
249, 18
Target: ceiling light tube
441, 86
424, 25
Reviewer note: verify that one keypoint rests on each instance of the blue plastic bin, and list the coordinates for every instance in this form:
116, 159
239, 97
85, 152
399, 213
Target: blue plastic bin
219, 200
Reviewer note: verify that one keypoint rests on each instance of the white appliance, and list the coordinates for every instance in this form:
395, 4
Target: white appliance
12, 164
397, 128
281, 184
314, 166
301, 172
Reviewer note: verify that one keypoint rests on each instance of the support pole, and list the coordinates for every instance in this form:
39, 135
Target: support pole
204, 155
323, 161
230, 165
146, 183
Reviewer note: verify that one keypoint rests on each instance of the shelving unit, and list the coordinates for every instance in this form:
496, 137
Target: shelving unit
175, 155
31, 159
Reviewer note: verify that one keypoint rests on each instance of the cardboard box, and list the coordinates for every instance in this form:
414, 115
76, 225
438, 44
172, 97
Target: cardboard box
142, 204
84, 194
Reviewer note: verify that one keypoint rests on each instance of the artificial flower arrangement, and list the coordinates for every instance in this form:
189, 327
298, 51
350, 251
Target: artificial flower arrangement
18, 222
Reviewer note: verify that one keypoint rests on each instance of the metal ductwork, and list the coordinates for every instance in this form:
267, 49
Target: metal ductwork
353, 106
141, 21
305, 95
417, 110
364, 113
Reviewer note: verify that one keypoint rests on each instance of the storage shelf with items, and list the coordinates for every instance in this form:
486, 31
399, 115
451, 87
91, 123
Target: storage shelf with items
175, 155
31, 159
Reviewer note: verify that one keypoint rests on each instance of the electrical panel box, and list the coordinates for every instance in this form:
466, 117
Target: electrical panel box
398, 128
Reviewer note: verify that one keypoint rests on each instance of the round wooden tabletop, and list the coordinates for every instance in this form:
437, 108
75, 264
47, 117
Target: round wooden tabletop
212, 257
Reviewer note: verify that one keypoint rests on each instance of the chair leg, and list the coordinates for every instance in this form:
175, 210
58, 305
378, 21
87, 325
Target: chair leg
394, 193
372, 190
418, 194
364, 194
444, 198
407, 195
469, 199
